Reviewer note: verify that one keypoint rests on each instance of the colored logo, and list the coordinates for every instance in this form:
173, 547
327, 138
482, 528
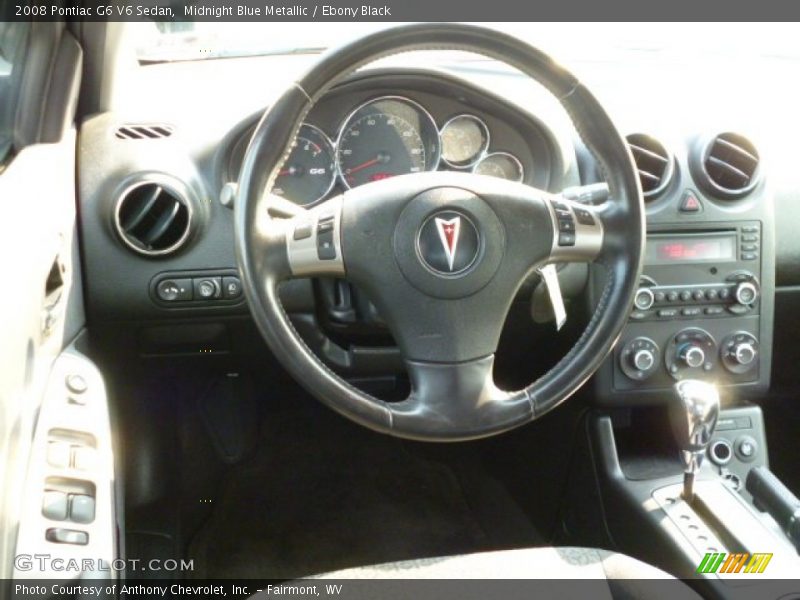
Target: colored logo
448, 243
742, 562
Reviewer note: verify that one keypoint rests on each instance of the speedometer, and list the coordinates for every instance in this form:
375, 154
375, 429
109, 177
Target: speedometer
386, 137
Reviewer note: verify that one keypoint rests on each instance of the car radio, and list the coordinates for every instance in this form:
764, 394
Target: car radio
697, 311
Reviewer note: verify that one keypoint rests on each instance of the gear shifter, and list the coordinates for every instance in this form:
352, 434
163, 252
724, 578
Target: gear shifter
693, 415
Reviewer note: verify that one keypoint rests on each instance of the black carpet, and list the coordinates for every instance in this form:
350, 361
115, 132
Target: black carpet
322, 494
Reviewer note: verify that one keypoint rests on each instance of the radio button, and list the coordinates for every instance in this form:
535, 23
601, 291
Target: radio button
724, 293
749, 247
746, 293
714, 310
686, 295
644, 299
699, 295
672, 296
711, 294
749, 256
660, 296
668, 313
750, 237
750, 229
691, 312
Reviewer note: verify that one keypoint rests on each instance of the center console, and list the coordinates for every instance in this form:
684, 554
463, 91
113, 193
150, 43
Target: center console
704, 308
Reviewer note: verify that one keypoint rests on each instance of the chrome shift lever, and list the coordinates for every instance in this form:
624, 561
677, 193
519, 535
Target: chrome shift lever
693, 415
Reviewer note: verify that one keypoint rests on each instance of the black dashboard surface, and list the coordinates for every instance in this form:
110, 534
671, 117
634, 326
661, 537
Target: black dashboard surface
211, 106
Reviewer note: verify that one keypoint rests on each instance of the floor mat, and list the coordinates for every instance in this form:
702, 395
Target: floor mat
323, 494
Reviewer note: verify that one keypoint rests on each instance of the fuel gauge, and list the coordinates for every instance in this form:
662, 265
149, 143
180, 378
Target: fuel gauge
500, 164
464, 139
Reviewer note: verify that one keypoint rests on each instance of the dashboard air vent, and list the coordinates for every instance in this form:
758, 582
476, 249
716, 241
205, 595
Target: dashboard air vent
153, 219
654, 163
730, 163
153, 131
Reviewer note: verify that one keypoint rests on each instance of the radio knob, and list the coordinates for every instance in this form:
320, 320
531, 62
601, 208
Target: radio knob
744, 353
644, 299
746, 293
692, 355
644, 360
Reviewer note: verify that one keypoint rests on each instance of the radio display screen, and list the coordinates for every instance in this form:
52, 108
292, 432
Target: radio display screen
662, 249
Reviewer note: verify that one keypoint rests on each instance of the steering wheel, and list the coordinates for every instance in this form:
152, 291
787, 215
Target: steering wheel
440, 254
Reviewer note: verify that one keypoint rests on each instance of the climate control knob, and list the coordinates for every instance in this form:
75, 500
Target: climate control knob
693, 356
739, 352
639, 358
691, 353
644, 360
744, 354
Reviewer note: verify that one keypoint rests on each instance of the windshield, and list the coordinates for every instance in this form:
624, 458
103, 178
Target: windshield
166, 42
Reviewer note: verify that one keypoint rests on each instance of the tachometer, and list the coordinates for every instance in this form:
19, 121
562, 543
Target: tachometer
386, 137
309, 173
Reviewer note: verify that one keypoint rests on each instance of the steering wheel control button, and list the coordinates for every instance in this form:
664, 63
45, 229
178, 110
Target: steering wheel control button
231, 287
584, 217
639, 358
54, 506
448, 242
303, 231
690, 203
566, 239
207, 288
174, 290
566, 225
59, 535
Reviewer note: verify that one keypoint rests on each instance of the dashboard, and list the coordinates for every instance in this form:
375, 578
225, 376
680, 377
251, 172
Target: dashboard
157, 237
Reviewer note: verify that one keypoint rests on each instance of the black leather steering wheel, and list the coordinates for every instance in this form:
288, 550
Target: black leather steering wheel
440, 254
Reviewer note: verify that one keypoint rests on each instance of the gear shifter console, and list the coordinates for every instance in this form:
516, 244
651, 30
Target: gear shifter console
693, 415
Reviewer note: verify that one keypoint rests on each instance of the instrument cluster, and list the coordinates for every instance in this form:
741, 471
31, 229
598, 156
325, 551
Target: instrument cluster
385, 137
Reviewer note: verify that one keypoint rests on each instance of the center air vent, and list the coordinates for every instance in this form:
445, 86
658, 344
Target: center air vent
153, 219
152, 131
730, 165
654, 163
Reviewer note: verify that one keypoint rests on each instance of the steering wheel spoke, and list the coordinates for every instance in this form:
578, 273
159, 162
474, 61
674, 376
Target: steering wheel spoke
312, 241
458, 397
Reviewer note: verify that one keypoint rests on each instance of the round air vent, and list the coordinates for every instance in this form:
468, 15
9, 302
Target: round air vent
152, 218
729, 165
654, 162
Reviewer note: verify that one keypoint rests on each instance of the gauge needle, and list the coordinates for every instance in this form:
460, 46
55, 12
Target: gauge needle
364, 165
